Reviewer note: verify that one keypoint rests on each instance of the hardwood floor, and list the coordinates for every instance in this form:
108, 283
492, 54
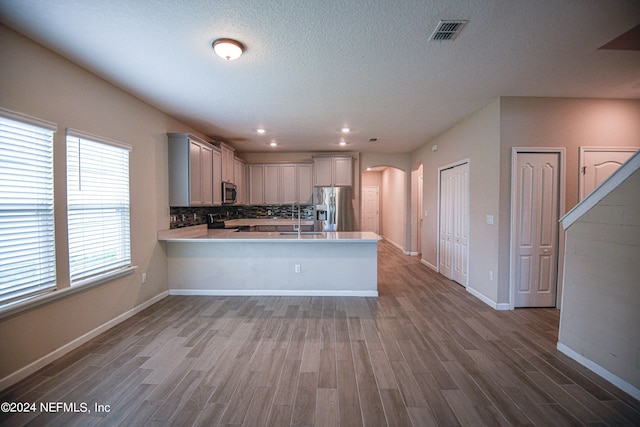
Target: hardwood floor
424, 353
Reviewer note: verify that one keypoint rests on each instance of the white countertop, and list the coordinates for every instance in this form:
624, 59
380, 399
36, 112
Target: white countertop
201, 234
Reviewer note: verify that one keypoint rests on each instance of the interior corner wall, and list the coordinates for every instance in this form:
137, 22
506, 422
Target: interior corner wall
476, 138
39, 83
557, 122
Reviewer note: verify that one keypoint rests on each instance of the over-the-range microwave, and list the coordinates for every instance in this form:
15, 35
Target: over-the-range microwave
229, 193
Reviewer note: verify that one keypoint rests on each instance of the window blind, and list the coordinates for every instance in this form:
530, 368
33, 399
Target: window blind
27, 239
97, 206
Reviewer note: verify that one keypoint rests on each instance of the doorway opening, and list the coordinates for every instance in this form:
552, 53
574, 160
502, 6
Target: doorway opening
391, 201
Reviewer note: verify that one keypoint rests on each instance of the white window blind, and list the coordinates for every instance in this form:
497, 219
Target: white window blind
27, 239
97, 205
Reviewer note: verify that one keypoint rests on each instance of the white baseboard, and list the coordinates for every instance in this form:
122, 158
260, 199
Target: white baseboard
270, 292
31, 368
412, 253
394, 244
428, 264
613, 379
488, 301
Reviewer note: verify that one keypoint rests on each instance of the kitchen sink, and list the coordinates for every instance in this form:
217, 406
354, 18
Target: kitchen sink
302, 233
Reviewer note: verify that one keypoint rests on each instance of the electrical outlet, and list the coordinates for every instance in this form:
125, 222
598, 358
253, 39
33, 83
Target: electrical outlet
297, 268
144, 277
490, 274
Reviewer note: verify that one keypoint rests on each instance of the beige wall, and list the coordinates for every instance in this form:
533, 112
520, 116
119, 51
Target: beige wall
477, 139
486, 138
393, 206
600, 317
39, 83
558, 122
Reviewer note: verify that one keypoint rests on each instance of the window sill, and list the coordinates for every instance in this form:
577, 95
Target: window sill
17, 307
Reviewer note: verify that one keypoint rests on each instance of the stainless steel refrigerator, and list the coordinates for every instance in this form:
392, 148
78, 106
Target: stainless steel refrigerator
333, 208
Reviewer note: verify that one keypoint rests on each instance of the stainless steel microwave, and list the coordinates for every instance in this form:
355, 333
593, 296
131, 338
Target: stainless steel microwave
229, 193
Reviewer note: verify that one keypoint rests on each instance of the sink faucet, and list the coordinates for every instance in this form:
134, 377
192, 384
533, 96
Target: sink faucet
299, 228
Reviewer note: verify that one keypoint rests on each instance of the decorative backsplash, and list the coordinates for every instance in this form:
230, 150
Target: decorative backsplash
185, 217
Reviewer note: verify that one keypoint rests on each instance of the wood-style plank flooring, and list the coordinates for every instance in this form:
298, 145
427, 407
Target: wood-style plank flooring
424, 353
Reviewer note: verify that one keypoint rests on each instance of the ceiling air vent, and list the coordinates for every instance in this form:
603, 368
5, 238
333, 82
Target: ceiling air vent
448, 30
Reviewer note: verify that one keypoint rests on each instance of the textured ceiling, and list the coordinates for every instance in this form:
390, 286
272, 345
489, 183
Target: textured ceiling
312, 67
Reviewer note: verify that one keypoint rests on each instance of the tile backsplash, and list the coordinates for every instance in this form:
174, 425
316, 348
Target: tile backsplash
184, 217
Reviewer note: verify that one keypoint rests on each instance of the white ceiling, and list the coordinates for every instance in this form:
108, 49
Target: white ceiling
312, 67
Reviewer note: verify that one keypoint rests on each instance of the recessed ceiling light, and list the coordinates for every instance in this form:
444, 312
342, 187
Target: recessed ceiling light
273, 144
260, 130
345, 130
228, 49
343, 143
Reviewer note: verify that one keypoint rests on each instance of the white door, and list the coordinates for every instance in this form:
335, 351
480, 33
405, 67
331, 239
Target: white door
598, 163
454, 223
370, 209
536, 193
461, 224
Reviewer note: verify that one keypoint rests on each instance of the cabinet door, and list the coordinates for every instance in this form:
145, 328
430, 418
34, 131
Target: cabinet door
238, 180
322, 172
289, 181
217, 177
227, 164
256, 184
206, 175
305, 183
342, 171
195, 173
272, 184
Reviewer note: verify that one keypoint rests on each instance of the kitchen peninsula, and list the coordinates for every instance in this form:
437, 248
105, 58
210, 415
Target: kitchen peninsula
224, 262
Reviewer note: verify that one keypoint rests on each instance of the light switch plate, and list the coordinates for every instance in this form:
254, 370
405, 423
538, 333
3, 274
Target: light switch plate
490, 219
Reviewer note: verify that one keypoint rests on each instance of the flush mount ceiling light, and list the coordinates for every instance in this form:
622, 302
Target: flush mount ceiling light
228, 49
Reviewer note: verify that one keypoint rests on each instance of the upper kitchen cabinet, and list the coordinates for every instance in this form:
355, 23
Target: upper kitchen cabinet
280, 183
256, 184
333, 171
227, 162
190, 171
217, 176
297, 183
239, 179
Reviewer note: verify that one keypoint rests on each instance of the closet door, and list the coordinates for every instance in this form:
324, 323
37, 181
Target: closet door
461, 223
454, 223
446, 223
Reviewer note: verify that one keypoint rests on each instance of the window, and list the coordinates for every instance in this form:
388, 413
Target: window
27, 239
97, 206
